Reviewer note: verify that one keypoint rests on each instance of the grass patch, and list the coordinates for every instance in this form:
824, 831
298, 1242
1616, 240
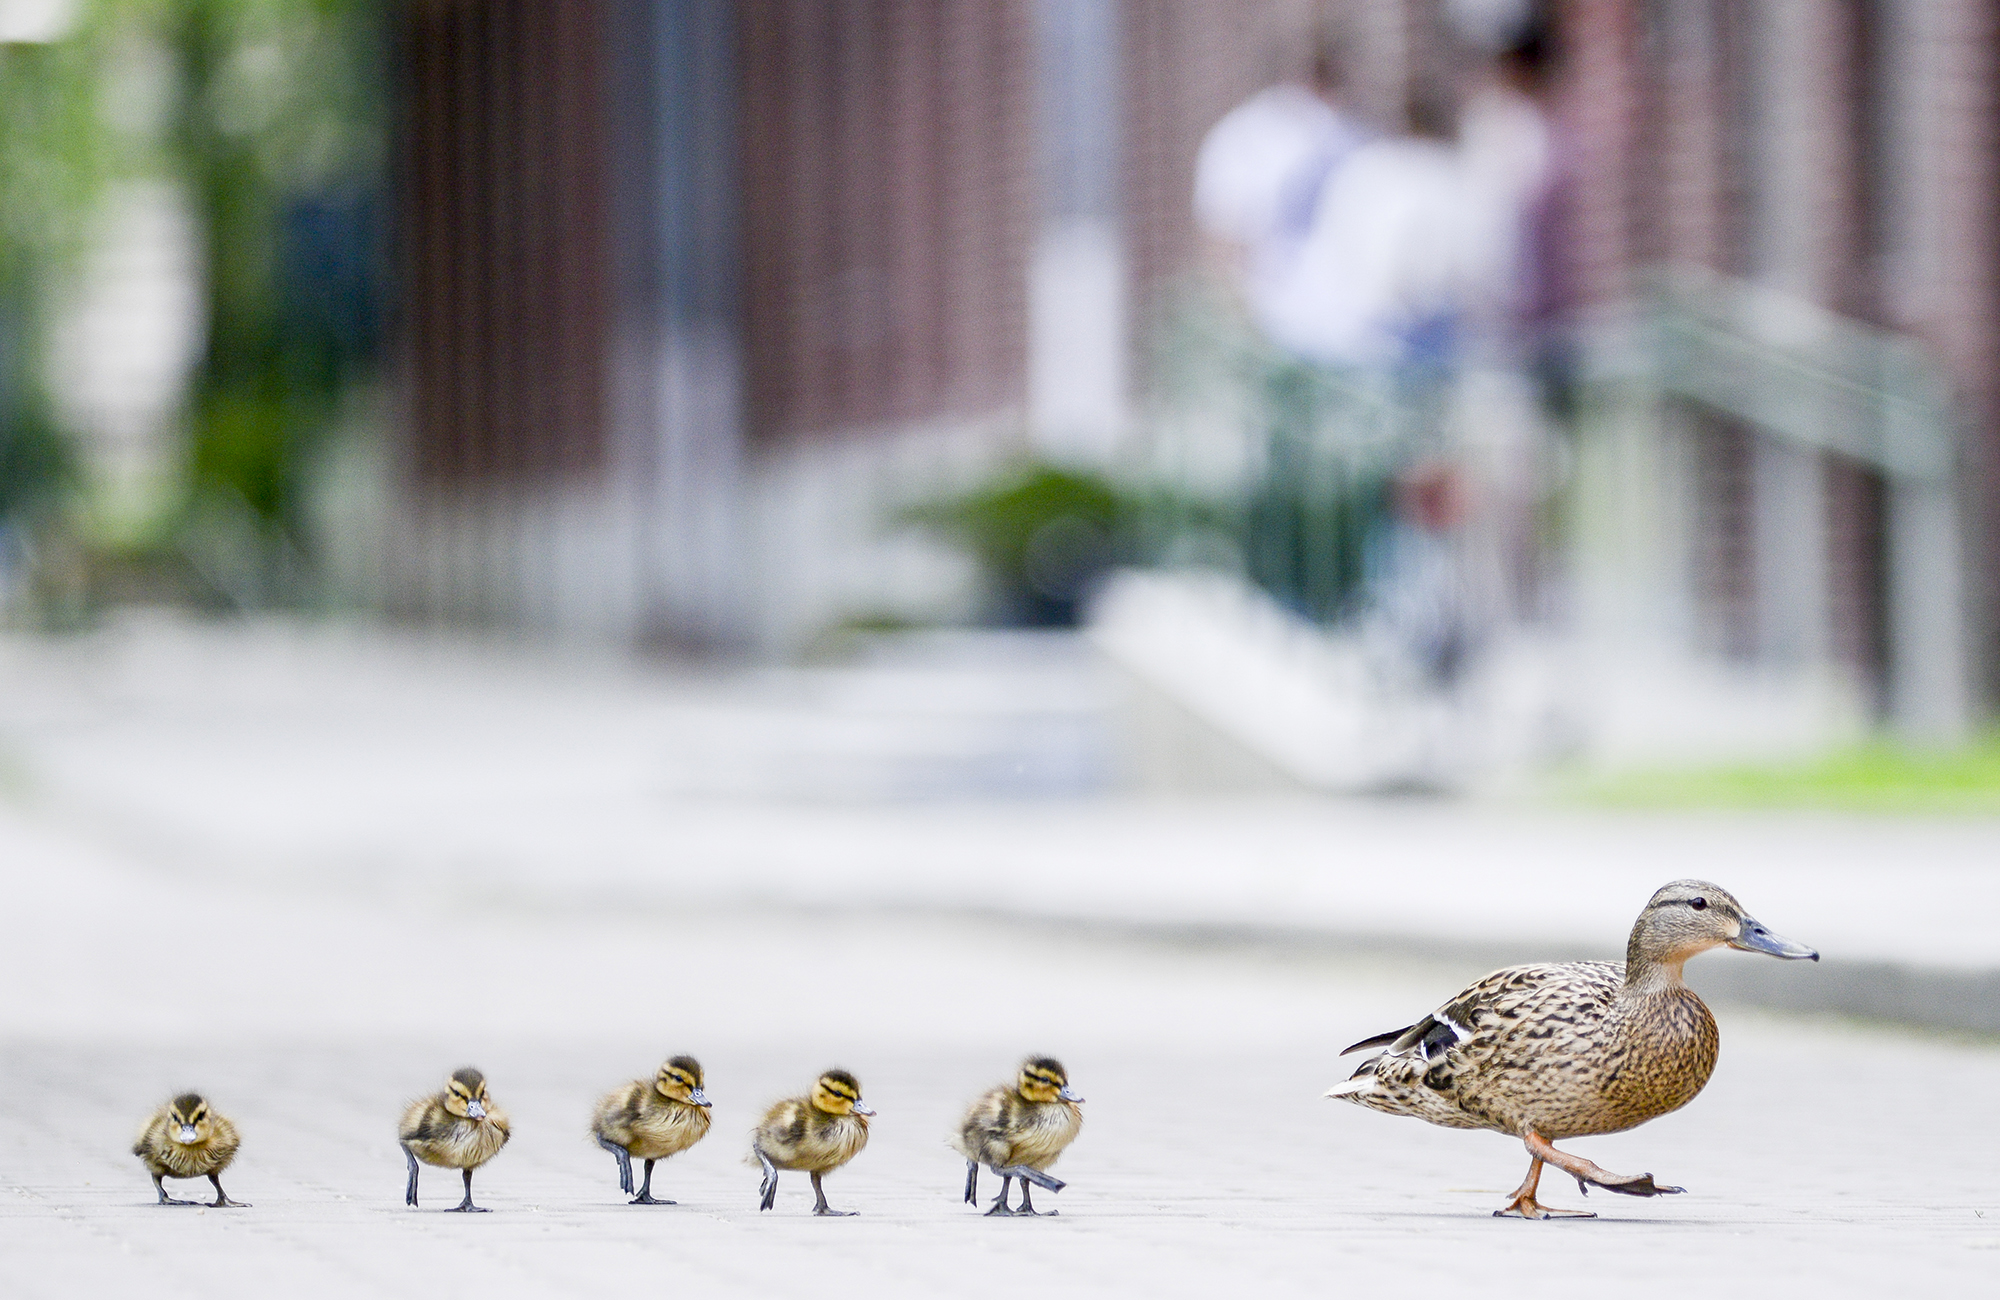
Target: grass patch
1880, 776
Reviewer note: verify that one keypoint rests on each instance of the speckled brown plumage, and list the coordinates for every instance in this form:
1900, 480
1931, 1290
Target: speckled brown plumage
1570, 1049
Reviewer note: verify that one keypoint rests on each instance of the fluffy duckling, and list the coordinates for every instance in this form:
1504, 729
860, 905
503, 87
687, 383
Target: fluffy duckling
186, 1139
1019, 1132
459, 1128
1570, 1049
652, 1121
817, 1133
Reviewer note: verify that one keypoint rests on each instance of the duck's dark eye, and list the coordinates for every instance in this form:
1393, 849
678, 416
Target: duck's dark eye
1698, 904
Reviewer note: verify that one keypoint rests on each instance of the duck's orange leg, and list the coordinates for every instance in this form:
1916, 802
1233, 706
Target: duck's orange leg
1587, 1173
1523, 1205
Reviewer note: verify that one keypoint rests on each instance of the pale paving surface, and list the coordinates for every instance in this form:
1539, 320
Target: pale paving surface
269, 750
1823, 1160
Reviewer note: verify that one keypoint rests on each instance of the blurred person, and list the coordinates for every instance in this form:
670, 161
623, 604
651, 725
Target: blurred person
1382, 277
1518, 166
1261, 170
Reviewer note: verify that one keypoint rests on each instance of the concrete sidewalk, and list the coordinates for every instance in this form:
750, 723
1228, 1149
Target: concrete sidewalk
967, 776
1823, 1159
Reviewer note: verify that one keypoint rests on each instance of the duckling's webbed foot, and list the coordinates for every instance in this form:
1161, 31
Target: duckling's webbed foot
466, 1206
767, 1191
820, 1207
1000, 1201
222, 1200
1027, 1206
165, 1199
645, 1196
624, 1159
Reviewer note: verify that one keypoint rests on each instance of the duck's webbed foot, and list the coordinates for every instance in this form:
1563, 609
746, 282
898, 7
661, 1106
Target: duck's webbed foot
820, 1207
1000, 1201
1588, 1174
1523, 1204
645, 1196
1027, 1205
466, 1206
165, 1199
767, 1190
1628, 1184
222, 1200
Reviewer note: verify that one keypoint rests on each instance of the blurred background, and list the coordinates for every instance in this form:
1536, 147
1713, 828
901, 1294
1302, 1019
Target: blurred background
1397, 393
907, 532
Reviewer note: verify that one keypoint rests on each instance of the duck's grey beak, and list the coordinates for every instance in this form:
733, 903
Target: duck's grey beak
860, 1109
1068, 1093
187, 1134
1753, 937
473, 1110
698, 1097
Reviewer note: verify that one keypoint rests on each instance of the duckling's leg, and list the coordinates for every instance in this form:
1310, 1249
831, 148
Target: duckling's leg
1027, 1206
466, 1206
1029, 1174
624, 1159
645, 1196
165, 1199
1000, 1201
820, 1205
410, 1196
972, 1182
222, 1197
768, 1189
1525, 1206
1587, 1173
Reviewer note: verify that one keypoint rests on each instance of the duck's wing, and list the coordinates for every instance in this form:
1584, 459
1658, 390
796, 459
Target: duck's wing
1462, 1032
1449, 1025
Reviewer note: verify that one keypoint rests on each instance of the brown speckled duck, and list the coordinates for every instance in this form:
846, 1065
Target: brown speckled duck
1570, 1049
652, 1120
816, 1133
1019, 1131
187, 1139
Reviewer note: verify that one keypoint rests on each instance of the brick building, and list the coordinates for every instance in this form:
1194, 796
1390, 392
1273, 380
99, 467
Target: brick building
696, 289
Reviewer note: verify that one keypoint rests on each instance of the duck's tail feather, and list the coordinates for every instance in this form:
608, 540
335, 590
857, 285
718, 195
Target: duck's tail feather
1379, 1040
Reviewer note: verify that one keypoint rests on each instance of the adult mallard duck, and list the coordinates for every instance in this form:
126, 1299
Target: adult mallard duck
1570, 1049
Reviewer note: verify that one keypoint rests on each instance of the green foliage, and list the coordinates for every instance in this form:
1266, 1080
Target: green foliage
1880, 776
54, 153
1000, 521
280, 138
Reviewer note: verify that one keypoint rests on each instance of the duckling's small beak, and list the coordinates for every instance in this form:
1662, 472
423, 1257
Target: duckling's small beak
860, 1109
1067, 1093
187, 1134
698, 1097
473, 1110
1753, 937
